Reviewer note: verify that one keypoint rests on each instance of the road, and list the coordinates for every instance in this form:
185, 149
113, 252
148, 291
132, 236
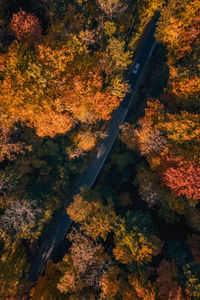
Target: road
60, 230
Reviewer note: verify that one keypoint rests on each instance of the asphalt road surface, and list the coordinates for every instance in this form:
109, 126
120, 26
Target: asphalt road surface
60, 230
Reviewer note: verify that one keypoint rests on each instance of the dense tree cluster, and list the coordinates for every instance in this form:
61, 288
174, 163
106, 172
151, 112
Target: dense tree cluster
62, 69
61, 77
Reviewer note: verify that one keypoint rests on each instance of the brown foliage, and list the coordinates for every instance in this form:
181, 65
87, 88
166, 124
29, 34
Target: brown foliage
167, 286
8, 147
194, 243
85, 263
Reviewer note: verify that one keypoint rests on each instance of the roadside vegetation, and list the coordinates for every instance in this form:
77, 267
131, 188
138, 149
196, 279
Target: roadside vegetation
136, 233
61, 77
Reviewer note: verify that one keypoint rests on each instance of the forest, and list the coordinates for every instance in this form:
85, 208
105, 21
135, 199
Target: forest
64, 68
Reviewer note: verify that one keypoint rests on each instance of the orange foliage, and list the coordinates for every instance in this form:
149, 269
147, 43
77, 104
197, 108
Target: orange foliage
50, 123
110, 282
86, 100
178, 26
144, 290
186, 87
41, 88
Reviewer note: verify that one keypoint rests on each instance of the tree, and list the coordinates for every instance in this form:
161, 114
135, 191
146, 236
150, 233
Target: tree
46, 285
178, 26
88, 258
83, 266
181, 128
147, 8
135, 240
9, 148
183, 178
14, 266
166, 283
149, 138
143, 287
149, 187
146, 137
87, 101
26, 27
84, 139
112, 7
116, 58
127, 135
111, 282
109, 28
192, 274
95, 218
50, 123
20, 216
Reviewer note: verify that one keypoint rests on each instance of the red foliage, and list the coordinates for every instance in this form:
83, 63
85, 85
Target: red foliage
183, 178
26, 27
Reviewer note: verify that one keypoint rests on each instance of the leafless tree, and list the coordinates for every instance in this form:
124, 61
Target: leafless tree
88, 258
149, 193
19, 215
88, 36
112, 7
9, 148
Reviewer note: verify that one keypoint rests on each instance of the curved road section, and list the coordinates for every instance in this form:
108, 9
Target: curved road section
60, 230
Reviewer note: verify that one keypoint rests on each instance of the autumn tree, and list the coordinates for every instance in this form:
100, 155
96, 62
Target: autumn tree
86, 100
83, 266
147, 8
178, 30
20, 217
192, 275
182, 130
116, 58
9, 147
183, 178
166, 283
111, 282
96, 218
112, 7
149, 138
46, 285
149, 187
26, 27
135, 241
14, 266
145, 136
142, 286
178, 26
